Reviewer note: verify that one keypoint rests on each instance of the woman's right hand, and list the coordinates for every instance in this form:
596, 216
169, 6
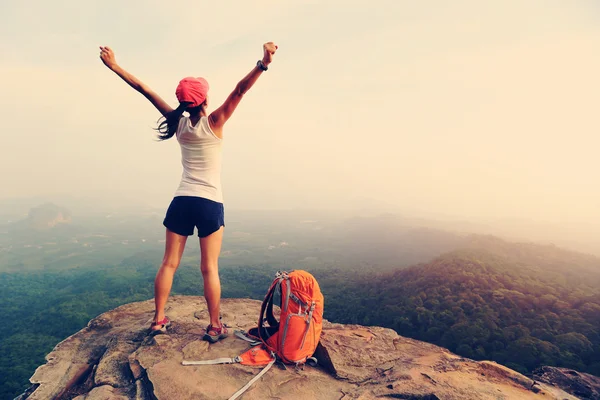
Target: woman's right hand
269, 50
108, 57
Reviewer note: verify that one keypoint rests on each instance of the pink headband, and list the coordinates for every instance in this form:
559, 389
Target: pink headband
192, 90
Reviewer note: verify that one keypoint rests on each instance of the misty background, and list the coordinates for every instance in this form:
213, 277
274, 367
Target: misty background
456, 112
434, 164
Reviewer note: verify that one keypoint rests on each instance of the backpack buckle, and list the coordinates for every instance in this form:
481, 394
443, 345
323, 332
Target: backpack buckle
312, 361
282, 274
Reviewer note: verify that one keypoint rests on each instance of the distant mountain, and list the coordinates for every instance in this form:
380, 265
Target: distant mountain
550, 260
45, 216
48, 216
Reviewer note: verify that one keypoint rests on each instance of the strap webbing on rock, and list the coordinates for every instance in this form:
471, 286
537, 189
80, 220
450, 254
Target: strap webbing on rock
242, 335
213, 362
257, 377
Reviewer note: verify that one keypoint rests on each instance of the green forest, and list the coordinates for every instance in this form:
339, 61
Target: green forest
482, 306
522, 305
42, 308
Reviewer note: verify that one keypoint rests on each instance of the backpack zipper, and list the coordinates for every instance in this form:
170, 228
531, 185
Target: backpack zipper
287, 323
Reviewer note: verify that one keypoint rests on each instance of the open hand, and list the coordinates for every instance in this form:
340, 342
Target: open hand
108, 57
269, 50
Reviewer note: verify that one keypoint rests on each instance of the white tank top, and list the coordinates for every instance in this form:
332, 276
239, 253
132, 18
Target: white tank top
201, 160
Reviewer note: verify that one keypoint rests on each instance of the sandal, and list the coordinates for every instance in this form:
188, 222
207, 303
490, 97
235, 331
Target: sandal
213, 335
160, 326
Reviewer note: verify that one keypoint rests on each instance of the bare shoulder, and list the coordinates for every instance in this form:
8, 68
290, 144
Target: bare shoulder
214, 126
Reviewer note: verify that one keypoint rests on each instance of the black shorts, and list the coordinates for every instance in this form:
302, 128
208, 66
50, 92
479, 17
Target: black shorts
187, 212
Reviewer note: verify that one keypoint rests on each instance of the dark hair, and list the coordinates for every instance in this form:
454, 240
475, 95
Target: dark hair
168, 127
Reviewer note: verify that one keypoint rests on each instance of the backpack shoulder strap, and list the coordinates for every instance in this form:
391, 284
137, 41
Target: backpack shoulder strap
269, 311
266, 310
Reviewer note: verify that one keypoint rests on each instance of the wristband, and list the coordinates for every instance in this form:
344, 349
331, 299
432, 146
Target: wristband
261, 65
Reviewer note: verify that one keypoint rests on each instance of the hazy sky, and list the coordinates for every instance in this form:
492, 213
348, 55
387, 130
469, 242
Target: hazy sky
471, 108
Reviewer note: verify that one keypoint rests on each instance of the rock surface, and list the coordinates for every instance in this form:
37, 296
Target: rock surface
113, 358
583, 385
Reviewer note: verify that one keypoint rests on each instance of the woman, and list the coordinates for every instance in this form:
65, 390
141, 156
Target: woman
198, 202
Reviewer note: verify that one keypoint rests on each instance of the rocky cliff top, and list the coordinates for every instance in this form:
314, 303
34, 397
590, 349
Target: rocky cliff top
113, 358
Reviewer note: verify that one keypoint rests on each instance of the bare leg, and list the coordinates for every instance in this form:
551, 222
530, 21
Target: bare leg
210, 248
174, 247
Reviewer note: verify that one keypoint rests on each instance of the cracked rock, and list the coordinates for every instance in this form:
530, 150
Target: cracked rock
113, 358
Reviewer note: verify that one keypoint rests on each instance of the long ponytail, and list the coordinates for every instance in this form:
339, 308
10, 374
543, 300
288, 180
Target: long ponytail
168, 127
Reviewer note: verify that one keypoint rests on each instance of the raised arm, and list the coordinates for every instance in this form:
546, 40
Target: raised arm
108, 58
218, 117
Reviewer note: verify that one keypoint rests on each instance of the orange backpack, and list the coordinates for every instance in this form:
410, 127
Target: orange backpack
294, 336
291, 339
